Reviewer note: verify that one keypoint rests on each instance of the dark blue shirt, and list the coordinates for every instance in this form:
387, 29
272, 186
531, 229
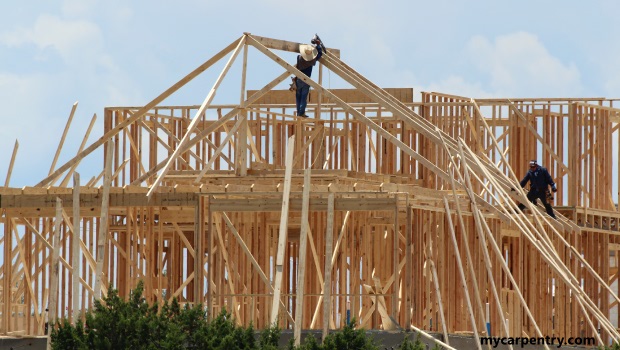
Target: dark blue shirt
539, 179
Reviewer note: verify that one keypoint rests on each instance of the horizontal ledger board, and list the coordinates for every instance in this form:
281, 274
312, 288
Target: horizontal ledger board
316, 204
94, 200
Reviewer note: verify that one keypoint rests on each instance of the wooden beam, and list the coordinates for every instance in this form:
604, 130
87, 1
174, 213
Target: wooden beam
199, 112
201, 135
25, 262
295, 204
439, 302
103, 223
184, 239
327, 284
255, 263
408, 265
379, 130
199, 226
470, 261
175, 140
10, 171
62, 138
387, 321
65, 181
290, 149
53, 291
242, 149
483, 246
230, 274
91, 201
284, 45
549, 254
395, 260
218, 151
141, 112
431, 338
332, 259
459, 263
301, 267
75, 246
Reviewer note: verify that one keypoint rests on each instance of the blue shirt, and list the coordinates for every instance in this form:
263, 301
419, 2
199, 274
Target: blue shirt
539, 179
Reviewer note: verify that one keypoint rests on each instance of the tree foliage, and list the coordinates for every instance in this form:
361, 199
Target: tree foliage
348, 338
407, 344
114, 323
118, 324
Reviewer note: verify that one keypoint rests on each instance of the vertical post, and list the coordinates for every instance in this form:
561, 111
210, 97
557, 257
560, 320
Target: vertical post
395, 261
75, 262
573, 157
103, 223
408, 268
242, 149
290, 148
198, 250
53, 296
160, 261
318, 144
327, 284
317, 113
210, 258
301, 268
7, 272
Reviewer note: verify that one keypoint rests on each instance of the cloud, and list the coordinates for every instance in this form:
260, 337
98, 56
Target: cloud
519, 64
456, 85
78, 8
72, 40
56, 62
27, 119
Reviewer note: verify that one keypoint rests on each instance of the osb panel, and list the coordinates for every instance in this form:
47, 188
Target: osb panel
347, 95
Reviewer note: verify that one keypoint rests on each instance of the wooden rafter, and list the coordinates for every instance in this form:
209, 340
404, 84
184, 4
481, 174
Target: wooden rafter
389, 174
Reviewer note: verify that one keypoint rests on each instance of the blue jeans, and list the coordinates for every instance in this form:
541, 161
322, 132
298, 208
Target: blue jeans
301, 97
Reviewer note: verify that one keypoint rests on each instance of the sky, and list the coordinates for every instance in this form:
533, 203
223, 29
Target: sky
125, 53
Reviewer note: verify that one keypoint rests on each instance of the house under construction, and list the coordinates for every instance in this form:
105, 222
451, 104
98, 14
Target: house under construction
401, 215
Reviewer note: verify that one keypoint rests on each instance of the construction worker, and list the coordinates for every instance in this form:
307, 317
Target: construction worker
308, 55
539, 179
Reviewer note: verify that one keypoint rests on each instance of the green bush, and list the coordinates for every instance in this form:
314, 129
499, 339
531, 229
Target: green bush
114, 323
269, 338
133, 324
407, 344
65, 336
309, 343
348, 338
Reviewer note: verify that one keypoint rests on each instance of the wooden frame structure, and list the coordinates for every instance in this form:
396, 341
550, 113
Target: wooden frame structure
370, 210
